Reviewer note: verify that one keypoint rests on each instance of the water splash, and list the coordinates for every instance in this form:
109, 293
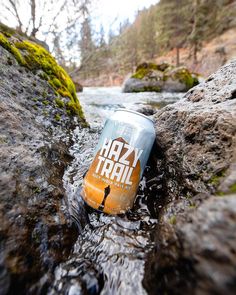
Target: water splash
109, 255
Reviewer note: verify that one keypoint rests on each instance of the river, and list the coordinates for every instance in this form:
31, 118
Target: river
110, 252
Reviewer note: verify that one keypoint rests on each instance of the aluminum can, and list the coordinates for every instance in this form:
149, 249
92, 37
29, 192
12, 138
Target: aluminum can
112, 180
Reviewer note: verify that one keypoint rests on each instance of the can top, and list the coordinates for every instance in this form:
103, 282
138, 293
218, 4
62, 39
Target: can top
134, 112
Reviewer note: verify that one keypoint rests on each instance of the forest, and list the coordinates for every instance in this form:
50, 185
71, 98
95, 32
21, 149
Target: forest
168, 25
87, 52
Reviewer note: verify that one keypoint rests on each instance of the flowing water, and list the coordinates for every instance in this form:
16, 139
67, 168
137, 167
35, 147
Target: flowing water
109, 254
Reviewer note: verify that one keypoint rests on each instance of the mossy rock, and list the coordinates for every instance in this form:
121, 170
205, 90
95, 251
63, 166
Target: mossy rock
147, 66
10, 47
37, 59
180, 76
163, 66
144, 70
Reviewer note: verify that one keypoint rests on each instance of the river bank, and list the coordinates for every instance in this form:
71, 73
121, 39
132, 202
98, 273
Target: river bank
53, 243
211, 56
187, 191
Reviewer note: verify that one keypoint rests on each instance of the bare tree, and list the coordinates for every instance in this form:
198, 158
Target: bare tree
33, 16
57, 22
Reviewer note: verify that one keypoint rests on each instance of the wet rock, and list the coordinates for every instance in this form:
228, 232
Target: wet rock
195, 239
78, 87
36, 230
148, 110
196, 250
161, 77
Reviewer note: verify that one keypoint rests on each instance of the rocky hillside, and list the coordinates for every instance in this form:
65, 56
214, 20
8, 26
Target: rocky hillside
212, 55
39, 108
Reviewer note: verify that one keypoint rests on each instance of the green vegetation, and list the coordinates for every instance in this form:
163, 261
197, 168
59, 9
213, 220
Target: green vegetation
141, 73
172, 220
45, 102
57, 117
215, 180
5, 43
183, 75
35, 58
169, 25
163, 72
233, 188
59, 102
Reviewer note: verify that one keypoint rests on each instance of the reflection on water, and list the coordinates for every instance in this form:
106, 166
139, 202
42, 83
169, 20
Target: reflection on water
109, 255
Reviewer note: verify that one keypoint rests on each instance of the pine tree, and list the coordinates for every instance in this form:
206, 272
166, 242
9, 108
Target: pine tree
147, 34
87, 48
173, 24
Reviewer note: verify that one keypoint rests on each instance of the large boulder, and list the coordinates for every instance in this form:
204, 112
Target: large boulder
161, 77
38, 108
196, 236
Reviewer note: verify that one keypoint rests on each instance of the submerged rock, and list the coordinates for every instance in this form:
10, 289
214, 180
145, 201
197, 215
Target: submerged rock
38, 108
195, 239
161, 77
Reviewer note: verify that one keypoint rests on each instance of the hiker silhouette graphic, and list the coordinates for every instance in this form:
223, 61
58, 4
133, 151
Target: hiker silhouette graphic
107, 191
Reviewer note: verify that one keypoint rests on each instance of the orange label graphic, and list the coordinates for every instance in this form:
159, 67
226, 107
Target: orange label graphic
111, 183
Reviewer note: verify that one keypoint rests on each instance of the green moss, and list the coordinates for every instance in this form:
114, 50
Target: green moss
141, 73
184, 76
59, 102
195, 81
215, 179
8, 32
45, 113
172, 220
233, 188
35, 99
221, 194
55, 83
37, 58
45, 102
74, 108
5, 43
44, 94
43, 76
57, 117
36, 190
3, 140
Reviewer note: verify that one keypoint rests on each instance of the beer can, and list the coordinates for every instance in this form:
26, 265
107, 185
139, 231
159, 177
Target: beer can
112, 180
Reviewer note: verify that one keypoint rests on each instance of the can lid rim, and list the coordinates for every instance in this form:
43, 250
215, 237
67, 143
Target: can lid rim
134, 112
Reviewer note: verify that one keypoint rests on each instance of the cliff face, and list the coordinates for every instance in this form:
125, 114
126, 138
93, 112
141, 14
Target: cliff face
38, 108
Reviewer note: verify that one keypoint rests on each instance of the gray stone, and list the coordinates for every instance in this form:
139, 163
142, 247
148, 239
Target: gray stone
158, 78
36, 231
195, 241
